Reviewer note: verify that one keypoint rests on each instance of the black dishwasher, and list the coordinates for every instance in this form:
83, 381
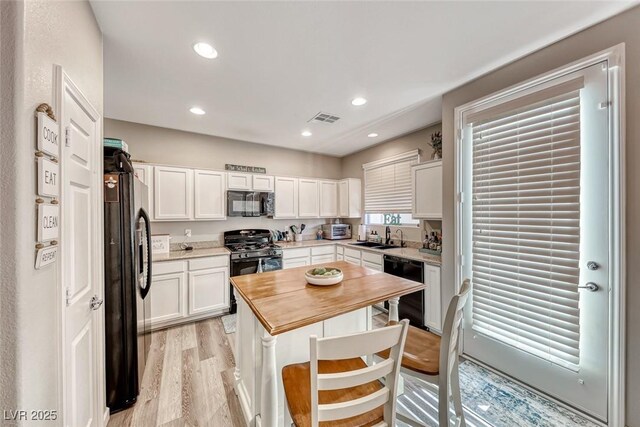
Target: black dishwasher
412, 305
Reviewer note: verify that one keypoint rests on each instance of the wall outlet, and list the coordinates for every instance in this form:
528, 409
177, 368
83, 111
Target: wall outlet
187, 232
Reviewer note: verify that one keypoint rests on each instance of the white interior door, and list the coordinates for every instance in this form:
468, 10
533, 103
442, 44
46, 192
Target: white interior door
536, 206
82, 260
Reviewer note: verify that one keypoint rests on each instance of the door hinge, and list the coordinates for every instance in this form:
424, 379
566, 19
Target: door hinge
67, 296
67, 136
604, 105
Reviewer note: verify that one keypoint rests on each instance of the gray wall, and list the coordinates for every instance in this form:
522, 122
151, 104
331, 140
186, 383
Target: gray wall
41, 33
173, 147
623, 28
420, 139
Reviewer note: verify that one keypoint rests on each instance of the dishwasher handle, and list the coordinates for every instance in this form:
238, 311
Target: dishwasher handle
392, 258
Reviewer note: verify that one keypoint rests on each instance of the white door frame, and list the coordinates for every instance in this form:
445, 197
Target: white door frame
615, 56
62, 82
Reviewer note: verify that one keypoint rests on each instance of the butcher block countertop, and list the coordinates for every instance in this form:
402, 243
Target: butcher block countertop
283, 301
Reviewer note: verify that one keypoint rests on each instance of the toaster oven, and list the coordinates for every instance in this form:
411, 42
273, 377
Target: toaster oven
336, 231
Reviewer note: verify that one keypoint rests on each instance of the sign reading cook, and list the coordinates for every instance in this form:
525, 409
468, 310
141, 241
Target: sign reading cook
48, 135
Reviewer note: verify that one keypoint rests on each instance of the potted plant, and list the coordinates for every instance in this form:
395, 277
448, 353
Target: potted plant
436, 144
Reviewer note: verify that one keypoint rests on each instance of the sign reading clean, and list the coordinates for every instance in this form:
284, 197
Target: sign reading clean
48, 222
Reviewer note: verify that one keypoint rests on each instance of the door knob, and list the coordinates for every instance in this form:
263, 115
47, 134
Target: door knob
590, 286
95, 302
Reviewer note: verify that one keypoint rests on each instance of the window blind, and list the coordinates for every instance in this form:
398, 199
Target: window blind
526, 224
387, 184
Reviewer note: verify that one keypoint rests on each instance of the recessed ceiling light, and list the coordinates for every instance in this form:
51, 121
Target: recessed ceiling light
306, 133
372, 135
358, 101
197, 111
205, 50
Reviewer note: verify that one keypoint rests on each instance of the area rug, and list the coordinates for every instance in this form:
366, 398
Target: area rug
229, 323
488, 399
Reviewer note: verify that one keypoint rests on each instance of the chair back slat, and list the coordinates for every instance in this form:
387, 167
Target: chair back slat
355, 407
355, 378
353, 346
358, 344
451, 331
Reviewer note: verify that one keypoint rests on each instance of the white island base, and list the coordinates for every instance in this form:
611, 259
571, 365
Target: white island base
260, 358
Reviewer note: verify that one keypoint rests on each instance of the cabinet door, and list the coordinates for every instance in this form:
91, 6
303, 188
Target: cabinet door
372, 265
343, 198
208, 290
308, 198
167, 297
432, 304
328, 199
262, 183
209, 194
144, 173
173, 193
295, 262
286, 205
351, 260
350, 198
240, 181
426, 186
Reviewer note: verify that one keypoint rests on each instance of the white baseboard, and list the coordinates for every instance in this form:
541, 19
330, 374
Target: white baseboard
245, 403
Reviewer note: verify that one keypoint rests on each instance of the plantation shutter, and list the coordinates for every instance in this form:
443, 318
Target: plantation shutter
526, 223
387, 184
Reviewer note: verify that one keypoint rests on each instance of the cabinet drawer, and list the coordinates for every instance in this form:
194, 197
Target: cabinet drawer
212, 262
321, 259
168, 267
322, 250
372, 257
372, 265
350, 260
296, 262
296, 253
352, 253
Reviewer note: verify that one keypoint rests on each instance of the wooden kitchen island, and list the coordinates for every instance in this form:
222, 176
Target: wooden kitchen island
278, 311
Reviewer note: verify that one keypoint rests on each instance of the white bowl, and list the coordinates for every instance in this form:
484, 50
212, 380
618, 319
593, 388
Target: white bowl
324, 280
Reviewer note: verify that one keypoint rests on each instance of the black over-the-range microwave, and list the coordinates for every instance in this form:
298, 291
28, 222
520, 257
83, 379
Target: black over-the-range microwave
250, 203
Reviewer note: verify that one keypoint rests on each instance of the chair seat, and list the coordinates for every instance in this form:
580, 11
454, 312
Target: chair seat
421, 351
297, 388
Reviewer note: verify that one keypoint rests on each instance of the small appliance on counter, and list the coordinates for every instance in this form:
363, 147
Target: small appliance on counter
336, 231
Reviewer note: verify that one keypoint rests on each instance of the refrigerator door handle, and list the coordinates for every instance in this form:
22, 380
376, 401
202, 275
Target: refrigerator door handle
147, 225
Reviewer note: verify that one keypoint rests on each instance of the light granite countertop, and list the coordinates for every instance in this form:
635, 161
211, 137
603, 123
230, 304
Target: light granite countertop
195, 253
409, 253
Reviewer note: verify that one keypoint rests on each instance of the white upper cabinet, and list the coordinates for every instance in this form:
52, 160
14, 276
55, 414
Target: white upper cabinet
426, 186
173, 193
328, 199
350, 198
308, 198
144, 173
286, 204
209, 194
263, 183
240, 181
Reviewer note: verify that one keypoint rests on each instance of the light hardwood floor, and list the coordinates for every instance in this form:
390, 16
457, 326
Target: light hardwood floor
188, 380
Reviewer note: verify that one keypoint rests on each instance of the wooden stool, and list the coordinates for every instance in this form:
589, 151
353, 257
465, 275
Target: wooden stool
338, 388
434, 359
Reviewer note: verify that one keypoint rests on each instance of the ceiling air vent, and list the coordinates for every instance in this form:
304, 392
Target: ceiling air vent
324, 118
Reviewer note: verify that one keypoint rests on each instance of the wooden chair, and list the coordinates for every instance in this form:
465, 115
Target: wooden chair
338, 388
434, 359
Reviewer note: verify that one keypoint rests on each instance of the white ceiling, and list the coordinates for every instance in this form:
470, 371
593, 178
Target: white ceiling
280, 63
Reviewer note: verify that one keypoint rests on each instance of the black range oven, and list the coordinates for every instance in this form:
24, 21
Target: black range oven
252, 251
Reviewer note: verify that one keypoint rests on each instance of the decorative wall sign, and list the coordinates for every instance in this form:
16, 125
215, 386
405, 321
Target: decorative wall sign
48, 222
48, 135
48, 178
240, 168
46, 256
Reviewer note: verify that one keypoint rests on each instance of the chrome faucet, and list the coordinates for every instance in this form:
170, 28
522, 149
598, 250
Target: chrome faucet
402, 242
387, 235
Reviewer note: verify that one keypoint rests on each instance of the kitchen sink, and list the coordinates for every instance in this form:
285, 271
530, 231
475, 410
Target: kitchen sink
374, 245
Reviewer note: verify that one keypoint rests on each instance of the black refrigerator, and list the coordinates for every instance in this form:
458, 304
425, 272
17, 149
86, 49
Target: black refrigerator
127, 279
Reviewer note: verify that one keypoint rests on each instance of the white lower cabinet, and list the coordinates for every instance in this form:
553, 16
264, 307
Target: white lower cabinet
432, 306
296, 257
208, 290
295, 262
167, 297
183, 291
323, 254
